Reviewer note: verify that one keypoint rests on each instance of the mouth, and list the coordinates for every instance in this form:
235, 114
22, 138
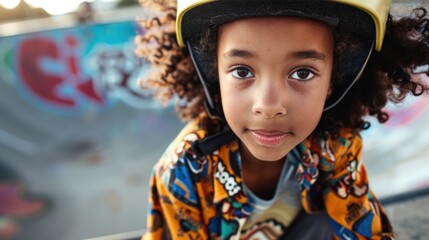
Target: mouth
270, 138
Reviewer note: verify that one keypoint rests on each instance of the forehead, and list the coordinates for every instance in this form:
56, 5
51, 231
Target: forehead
271, 32
279, 21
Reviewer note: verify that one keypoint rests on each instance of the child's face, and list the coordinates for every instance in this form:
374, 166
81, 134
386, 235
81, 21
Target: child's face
274, 78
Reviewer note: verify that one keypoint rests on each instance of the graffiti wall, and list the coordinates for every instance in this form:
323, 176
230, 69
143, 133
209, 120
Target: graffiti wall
78, 137
69, 70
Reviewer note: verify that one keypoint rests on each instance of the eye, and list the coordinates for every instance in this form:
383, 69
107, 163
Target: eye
242, 72
303, 74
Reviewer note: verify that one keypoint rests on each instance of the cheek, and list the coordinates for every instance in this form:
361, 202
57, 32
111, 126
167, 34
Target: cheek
235, 104
308, 109
228, 98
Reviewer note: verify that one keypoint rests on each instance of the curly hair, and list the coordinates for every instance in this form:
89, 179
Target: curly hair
387, 77
173, 74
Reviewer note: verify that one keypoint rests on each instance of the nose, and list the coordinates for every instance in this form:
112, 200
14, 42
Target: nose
270, 100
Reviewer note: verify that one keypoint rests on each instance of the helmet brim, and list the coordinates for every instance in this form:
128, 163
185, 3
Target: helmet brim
214, 13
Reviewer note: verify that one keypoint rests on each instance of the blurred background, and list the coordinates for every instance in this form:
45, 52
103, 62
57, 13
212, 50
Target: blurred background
78, 137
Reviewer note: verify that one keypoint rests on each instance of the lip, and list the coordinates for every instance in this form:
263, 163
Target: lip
269, 138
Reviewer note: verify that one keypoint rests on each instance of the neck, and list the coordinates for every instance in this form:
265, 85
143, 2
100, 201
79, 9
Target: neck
260, 176
250, 161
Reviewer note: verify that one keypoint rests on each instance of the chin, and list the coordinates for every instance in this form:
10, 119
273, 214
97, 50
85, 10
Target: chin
270, 156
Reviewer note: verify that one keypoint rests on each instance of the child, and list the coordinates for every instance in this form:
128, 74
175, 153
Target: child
276, 92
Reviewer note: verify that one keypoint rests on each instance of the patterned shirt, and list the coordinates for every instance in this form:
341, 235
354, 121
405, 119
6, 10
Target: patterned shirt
201, 196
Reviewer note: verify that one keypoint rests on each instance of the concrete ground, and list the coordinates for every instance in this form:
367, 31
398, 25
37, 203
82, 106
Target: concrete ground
410, 218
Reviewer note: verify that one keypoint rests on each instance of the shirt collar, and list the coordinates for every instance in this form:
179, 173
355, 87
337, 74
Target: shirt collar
228, 182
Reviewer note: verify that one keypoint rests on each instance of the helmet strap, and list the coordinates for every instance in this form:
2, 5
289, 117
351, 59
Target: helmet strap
337, 99
208, 102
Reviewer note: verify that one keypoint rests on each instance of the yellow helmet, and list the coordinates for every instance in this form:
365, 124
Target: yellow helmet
363, 19
378, 10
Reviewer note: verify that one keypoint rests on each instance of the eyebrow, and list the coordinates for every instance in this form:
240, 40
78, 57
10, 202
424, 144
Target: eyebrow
308, 54
234, 53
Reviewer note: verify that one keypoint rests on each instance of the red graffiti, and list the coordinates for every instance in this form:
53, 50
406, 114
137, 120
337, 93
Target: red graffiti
47, 84
84, 85
71, 60
43, 84
87, 88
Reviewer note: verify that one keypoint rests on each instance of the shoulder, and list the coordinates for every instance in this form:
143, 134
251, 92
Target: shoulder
347, 140
337, 151
180, 171
180, 149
